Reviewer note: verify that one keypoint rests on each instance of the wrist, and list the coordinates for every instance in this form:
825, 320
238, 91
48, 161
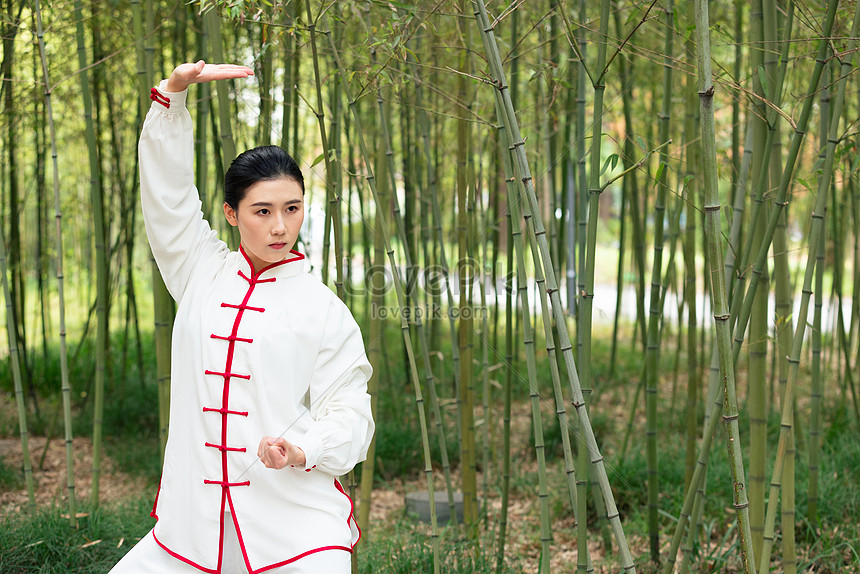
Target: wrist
174, 86
300, 459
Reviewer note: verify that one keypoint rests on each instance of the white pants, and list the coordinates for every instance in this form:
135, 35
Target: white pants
147, 557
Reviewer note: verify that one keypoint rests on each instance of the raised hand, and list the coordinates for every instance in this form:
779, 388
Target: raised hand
200, 72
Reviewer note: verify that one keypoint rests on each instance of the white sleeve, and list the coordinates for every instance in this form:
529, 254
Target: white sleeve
178, 234
339, 403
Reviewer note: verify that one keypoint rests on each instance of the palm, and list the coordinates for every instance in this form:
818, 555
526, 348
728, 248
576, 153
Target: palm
199, 73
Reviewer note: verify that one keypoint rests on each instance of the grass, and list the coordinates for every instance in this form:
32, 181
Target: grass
10, 478
41, 540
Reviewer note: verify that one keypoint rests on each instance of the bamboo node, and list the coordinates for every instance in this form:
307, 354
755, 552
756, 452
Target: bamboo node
728, 418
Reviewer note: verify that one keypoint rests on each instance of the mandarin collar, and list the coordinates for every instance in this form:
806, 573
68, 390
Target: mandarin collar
288, 267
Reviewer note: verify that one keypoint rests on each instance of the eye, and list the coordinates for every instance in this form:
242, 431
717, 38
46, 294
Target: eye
263, 211
292, 209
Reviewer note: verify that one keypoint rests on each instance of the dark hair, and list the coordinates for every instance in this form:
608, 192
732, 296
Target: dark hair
263, 163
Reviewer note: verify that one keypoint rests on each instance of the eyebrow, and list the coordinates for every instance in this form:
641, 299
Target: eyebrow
268, 204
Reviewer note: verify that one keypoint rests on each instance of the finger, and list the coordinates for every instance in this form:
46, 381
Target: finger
265, 442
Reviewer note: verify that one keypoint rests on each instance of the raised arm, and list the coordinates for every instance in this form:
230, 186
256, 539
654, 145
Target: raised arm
177, 232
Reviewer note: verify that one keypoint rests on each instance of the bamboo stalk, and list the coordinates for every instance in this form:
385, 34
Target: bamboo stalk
439, 241
757, 393
655, 306
584, 323
627, 184
429, 377
404, 325
540, 281
333, 198
787, 417
101, 261
719, 298
465, 391
578, 400
509, 371
64, 368
816, 391
12, 337
225, 130
783, 310
534, 394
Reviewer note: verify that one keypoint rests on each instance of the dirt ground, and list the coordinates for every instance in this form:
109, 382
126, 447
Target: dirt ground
49, 473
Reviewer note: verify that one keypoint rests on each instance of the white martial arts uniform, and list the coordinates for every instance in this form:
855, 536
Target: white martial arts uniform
271, 352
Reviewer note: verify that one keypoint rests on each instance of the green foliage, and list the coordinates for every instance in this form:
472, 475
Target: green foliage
130, 414
42, 541
10, 478
403, 549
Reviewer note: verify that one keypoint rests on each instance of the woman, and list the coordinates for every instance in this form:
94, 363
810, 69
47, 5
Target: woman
268, 398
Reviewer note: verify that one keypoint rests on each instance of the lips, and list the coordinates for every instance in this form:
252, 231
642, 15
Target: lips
277, 245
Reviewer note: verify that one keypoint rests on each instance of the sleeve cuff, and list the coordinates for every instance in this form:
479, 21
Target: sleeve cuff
169, 102
312, 447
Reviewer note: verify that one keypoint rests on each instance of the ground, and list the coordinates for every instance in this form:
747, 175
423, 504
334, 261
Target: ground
49, 474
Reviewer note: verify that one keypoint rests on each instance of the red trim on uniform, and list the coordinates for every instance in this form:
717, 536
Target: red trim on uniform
157, 96
338, 486
298, 257
300, 556
186, 560
155, 503
225, 411
277, 564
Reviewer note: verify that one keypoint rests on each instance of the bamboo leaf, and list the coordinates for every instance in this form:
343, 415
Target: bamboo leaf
318, 159
659, 175
610, 162
762, 77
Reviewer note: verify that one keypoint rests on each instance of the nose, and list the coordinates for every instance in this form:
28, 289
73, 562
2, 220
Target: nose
279, 227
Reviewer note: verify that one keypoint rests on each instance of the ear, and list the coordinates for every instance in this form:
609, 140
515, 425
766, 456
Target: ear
230, 214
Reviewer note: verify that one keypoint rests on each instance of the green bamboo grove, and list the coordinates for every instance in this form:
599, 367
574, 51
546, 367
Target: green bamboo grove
581, 240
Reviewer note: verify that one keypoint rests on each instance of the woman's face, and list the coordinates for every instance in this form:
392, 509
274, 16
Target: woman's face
269, 218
